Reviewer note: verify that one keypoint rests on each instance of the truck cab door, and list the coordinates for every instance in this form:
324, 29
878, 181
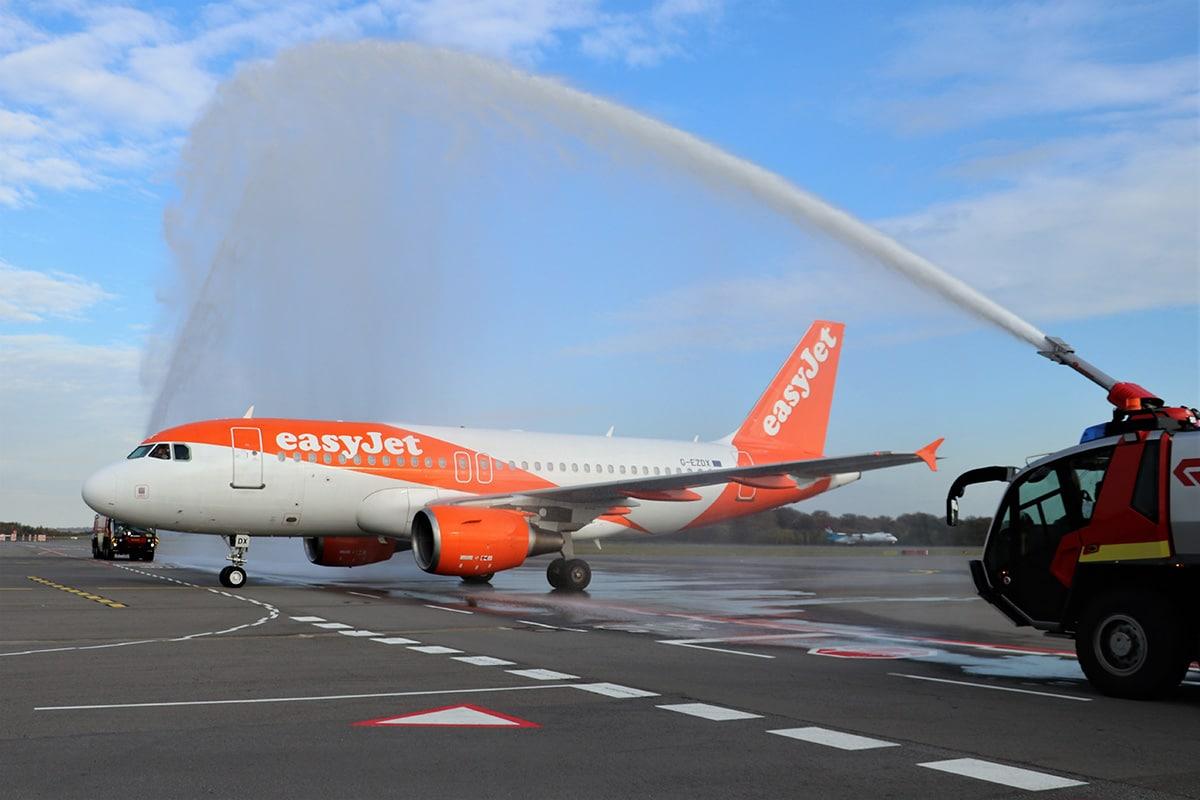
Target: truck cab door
1036, 529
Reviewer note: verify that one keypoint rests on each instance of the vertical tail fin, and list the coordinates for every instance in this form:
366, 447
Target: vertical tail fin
790, 418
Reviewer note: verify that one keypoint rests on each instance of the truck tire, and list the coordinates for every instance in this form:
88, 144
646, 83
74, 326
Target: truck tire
148, 556
1131, 645
95, 549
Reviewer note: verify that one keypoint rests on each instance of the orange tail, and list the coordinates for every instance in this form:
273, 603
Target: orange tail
790, 418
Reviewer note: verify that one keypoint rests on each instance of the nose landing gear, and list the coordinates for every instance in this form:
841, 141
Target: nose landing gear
235, 576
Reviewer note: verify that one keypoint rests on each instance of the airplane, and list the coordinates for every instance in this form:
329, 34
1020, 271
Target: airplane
471, 502
878, 537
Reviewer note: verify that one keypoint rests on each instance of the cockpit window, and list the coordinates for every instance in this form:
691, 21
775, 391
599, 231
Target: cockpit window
161, 450
140, 451
182, 452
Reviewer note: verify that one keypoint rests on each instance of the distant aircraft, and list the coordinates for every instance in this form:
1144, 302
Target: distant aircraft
878, 537
471, 503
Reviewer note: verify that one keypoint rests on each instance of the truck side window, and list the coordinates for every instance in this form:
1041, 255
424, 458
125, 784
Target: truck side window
161, 450
182, 452
1145, 487
1088, 470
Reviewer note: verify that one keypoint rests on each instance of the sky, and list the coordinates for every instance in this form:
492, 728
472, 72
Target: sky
1045, 153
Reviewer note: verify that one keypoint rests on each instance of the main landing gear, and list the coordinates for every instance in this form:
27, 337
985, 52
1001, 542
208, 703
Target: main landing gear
235, 576
567, 573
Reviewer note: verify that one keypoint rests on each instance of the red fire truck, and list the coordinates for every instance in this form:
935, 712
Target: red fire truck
1100, 542
111, 538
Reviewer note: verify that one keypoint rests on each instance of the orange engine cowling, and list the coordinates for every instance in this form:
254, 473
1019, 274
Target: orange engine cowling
459, 540
347, 551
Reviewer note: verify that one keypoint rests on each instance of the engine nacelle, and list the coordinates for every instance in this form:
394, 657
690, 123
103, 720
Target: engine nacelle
459, 540
348, 551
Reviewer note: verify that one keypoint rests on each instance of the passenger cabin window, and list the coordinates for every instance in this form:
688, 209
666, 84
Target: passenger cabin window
140, 451
182, 452
161, 450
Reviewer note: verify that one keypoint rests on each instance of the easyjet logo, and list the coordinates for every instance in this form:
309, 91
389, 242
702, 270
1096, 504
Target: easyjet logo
372, 442
800, 386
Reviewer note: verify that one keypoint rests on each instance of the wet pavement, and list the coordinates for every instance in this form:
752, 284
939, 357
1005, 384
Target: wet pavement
735, 676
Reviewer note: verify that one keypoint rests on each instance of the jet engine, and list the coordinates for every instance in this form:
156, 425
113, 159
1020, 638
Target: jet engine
464, 541
348, 551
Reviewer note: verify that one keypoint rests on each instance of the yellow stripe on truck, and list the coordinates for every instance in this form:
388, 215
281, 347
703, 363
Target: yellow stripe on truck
1127, 552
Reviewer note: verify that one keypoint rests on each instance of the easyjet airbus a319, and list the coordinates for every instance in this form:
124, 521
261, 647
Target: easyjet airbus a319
471, 503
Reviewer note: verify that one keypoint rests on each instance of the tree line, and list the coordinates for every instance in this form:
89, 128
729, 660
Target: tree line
786, 525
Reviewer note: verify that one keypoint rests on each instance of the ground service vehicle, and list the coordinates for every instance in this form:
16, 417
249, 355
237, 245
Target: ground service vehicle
111, 538
1101, 542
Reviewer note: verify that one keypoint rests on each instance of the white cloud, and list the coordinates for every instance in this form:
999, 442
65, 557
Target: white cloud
29, 296
66, 409
110, 95
963, 66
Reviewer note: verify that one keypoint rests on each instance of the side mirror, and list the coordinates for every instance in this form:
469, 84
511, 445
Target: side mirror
952, 511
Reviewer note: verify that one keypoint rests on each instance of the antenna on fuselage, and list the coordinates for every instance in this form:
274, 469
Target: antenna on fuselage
610, 430
249, 412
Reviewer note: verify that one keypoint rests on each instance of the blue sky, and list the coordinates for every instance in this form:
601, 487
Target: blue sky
1044, 152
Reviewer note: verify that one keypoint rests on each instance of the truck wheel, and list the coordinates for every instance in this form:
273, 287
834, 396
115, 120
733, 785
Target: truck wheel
95, 549
1131, 645
148, 556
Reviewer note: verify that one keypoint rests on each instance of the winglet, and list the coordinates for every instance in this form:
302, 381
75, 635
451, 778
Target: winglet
928, 453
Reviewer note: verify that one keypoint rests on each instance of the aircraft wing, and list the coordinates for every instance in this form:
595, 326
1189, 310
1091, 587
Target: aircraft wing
676, 487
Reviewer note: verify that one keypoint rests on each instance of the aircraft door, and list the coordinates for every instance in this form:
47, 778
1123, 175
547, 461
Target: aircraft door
462, 467
745, 493
483, 468
247, 458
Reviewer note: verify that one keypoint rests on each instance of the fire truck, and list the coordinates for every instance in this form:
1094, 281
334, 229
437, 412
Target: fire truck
111, 538
1100, 542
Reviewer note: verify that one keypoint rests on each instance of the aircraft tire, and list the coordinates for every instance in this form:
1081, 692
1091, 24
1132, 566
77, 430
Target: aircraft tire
233, 577
576, 575
554, 572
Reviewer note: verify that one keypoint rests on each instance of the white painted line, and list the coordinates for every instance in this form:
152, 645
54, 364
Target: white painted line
999, 773
713, 649
750, 638
706, 711
990, 686
612, 690
254, 700
443, 608
332, 626
541, 674
435, 650
308, 619
551, 627
842, 741
484, 661
359, 633
395, 640
360, 594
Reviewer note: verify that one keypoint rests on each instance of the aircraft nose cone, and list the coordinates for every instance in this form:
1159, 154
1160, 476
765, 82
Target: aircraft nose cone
100, 490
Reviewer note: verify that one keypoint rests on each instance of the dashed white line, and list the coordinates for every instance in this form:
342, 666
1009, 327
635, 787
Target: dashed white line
369, 596
435, 650
990, 686
308, 619
484, 661
444, 608
370, 634
1004, 775
612, 690
685, 643
829, 738
541, 674
551, 627
332, 626
395, 640
710, 712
